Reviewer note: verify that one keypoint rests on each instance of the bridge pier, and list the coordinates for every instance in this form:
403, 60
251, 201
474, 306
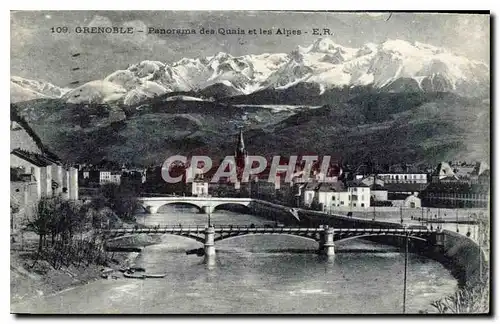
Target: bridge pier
326, 244
209, 245
152, 209
439, 239
207, 210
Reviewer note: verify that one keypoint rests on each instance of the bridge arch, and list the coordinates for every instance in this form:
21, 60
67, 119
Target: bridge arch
197, 238
343, 239
222, 206
232, 236
179, 203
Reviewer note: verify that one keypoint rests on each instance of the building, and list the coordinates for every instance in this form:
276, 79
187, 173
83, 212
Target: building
326, 196
359, 195
480, 174
104, 176
35, 171
23, 196
455, 195
240, 154
404, 189
450, 191
50, 176
199, 188
403, 177
444, 173
110, 176
116, 177
410, 201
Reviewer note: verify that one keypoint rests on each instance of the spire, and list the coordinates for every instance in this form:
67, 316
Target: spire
240, 148
241, 152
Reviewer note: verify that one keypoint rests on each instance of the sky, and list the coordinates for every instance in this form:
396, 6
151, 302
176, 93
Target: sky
38, 53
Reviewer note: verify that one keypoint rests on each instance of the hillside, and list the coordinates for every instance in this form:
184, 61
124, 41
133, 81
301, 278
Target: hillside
420, 127
386, 128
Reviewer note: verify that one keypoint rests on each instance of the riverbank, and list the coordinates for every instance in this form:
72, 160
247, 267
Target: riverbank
31, 278
461, 255
265, 282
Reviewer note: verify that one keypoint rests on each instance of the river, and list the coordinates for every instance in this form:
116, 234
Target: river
250, 276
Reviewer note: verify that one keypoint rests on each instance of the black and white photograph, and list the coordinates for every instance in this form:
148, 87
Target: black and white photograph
250, 162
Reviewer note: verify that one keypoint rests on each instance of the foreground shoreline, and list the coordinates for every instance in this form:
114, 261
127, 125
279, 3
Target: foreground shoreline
27, 284
127, 259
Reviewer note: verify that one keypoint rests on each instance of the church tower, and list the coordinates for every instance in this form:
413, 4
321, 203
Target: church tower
240, 157
240, 154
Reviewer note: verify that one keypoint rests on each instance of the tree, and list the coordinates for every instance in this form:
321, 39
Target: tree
121, 199
43, 220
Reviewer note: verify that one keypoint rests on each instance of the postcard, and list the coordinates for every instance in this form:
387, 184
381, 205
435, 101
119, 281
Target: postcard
250, 162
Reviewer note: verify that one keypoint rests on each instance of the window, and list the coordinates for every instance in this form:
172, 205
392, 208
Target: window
362, 197
362, 205
354, 204
342, 202
333, 197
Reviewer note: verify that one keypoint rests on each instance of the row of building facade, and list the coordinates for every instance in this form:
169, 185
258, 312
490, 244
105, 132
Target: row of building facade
35, 172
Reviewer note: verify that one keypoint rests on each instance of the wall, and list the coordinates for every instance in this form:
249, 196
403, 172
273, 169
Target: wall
394, 212
406, 203
73, 183
460, 254
18, 162
57, 176
379, 195
46, 180
273, 212
24, 196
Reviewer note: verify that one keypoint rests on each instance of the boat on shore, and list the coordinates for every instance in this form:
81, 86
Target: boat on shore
132, 269
133, 275
156, 275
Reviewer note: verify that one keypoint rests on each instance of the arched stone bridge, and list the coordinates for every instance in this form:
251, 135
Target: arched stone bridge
324, 235
204, 204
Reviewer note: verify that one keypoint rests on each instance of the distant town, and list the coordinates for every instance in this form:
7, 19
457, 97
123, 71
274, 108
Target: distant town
35, 172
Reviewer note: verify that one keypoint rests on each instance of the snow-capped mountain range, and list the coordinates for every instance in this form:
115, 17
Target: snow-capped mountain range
23, 89
394, 65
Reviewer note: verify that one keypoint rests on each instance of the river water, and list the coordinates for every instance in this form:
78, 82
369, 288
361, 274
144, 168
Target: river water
251, 276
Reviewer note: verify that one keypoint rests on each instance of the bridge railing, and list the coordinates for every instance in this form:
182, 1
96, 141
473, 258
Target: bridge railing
247, 228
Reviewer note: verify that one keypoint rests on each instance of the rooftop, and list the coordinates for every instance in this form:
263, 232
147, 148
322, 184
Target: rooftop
34, 158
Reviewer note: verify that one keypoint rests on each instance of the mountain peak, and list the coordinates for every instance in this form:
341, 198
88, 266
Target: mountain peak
326, 45
23, 89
